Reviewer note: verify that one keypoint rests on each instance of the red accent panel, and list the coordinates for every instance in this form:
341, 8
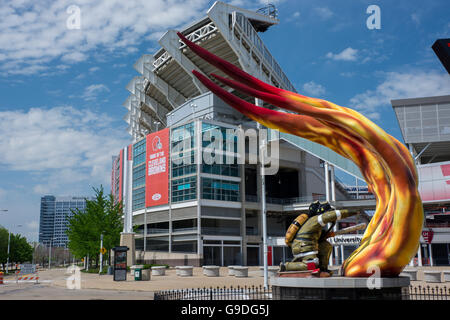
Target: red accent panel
157, 168
445, 169
269, 255
130, 152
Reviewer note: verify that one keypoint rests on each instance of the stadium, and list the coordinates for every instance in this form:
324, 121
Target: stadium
194, 213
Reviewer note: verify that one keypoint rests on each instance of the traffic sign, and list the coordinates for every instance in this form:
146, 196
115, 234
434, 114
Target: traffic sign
103, 250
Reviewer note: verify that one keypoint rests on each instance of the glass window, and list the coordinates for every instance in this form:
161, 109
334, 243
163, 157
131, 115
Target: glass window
183, 164
231, 170
139, 176
221, 227
182, 134
229, 137
184, 189
184, 246
138, 198
139, 150
215, 189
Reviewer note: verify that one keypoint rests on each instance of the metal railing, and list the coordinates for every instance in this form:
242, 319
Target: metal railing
285, 201
161, 60
261, 293
426, 293
218, 293
250, 33
199, 34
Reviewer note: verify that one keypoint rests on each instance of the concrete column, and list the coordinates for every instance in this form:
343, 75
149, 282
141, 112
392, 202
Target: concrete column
430, 255
419, 255
333, 198
127, 239
145, 231
333, 184
198, 130
243, 220
327, 182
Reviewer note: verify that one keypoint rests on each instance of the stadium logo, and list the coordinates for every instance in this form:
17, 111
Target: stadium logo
156, 144
156, 196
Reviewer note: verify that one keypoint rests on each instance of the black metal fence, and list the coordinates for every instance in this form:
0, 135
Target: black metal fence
427, 293
231, 293
261, 293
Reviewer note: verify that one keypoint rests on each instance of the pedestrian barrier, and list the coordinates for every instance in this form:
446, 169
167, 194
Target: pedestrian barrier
29, 278
159, 271
240, 272
211, 271
231, 270
27, 273
432, 276
185, 271
272, 271
446, 276
412, 274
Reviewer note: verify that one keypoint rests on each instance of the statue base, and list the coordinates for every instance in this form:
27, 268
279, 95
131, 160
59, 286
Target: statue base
305, 287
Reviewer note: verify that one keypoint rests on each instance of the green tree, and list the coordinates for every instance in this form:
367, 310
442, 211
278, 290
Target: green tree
3, 246
101, 216
19, 249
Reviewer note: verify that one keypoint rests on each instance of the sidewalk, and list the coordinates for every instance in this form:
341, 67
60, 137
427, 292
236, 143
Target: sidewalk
157, 283
57, 277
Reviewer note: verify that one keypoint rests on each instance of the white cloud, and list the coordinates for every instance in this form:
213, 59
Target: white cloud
398, 85
32, 225
313, 88
348, 74
2, 193
91, 92
348, 54
294, 17
60, 148
34, 33
415, 18
323, 12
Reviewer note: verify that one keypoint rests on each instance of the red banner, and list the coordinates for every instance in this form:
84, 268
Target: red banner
157, 168
427, 235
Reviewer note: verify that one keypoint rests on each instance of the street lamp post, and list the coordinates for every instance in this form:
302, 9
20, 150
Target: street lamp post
50, 254
101, 254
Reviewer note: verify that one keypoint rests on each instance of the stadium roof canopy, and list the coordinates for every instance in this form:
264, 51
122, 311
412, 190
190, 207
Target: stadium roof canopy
166, 81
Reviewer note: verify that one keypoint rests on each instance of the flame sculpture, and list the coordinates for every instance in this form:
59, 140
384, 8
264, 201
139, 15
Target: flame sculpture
392, 237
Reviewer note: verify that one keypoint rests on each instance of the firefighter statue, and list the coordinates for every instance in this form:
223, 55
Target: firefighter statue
307, 238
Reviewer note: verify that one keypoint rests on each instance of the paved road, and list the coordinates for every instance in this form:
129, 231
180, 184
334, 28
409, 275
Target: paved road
46, 291
53, 286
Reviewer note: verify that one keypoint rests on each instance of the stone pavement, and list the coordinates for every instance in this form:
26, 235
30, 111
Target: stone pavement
167, 282
57, 278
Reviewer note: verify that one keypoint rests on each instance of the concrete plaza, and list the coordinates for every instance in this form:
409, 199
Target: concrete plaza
53, 284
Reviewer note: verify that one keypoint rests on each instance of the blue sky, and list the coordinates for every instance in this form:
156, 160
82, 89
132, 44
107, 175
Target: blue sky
62, 90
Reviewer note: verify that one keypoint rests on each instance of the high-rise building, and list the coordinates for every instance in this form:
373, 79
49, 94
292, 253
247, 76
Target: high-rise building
55, 212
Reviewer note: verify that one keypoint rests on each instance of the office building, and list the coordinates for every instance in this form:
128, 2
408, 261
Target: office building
55, 212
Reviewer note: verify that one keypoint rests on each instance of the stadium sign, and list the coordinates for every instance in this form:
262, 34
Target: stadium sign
346, 240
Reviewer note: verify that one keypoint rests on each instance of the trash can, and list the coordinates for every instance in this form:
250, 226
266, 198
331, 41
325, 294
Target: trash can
138, 274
